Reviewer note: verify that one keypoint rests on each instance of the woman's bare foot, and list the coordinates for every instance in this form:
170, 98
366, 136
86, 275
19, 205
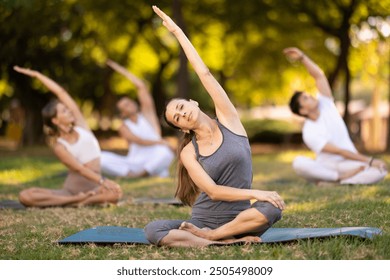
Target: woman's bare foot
246, 240
81, 197
205, 233
348, 174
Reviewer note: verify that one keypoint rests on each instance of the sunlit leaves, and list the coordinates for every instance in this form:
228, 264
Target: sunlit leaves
240, 41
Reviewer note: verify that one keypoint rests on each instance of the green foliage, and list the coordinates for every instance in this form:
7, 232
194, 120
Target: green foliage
240, 41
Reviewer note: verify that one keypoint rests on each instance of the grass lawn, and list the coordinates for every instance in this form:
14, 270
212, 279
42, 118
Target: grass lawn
31, 234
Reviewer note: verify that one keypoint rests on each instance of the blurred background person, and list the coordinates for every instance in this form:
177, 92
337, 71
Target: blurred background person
148, 153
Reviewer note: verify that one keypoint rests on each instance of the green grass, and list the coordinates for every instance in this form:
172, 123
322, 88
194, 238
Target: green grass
31, 234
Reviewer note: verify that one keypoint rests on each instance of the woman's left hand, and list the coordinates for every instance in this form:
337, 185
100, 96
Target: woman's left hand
380, 164
112, 186
294, 54
272, 197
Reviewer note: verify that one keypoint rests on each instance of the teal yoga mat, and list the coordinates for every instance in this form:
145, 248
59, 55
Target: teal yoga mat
113, 234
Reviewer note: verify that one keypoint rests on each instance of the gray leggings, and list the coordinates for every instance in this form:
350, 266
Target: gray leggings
157, 230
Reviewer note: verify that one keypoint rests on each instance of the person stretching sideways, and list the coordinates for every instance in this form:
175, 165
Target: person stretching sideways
214, 170
325, 133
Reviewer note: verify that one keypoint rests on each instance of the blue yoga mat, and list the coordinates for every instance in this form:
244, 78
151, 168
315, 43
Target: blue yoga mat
274, 235
113, 234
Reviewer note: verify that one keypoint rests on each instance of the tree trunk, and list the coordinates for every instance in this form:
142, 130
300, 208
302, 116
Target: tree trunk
158, 90
347, 92
32, 103
345, 45
33, 127
342, 65
333, 75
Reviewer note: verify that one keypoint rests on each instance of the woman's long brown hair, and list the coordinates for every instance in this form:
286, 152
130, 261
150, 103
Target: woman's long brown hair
186, 190
49, 128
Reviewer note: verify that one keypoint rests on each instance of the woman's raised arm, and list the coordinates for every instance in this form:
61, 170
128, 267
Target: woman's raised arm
225, 110
62, 95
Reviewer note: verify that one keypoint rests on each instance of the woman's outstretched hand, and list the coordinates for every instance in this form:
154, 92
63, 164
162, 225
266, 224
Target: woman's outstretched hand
167, 21
25, 71
272, 197
112, 186
294, 54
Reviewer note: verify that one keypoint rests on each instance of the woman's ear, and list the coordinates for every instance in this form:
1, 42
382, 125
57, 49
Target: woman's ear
195, 102
185, 130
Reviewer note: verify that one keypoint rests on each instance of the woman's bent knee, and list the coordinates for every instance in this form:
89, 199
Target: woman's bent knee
272, 213
25, 197
157, 230
151, 232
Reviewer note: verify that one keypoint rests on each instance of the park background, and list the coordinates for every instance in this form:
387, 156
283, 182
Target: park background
241, 42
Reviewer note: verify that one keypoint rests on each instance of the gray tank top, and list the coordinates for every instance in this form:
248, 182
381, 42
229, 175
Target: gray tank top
230, 165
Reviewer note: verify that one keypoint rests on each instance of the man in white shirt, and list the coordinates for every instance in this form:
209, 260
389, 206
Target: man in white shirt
149, 154
325, 133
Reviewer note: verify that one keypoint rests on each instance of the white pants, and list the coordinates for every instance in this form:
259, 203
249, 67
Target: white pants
156, 163
314, 170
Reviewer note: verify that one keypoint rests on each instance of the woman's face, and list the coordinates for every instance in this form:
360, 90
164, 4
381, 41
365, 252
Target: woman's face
127, 107
182, 113
64, 116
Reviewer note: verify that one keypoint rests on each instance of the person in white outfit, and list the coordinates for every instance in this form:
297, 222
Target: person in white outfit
325, 133
149, 154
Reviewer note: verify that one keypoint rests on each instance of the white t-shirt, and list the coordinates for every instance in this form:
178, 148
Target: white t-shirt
328, 128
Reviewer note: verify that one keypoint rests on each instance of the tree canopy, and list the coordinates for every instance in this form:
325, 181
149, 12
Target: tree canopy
240, 41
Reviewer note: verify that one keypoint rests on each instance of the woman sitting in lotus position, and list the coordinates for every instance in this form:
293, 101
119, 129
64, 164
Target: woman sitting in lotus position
214, 170
76, 147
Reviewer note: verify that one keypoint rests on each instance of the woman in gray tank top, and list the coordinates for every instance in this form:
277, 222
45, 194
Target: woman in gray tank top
214, 170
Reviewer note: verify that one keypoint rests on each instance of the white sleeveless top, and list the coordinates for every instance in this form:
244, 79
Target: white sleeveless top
142, 129
86, 148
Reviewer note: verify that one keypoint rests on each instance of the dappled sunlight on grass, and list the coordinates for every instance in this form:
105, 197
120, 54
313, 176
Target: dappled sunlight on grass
260, 177
378, 192
305, 206
269, 168
29, 172
147, 182
277, 166
288, 156
148, 187
370, 192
